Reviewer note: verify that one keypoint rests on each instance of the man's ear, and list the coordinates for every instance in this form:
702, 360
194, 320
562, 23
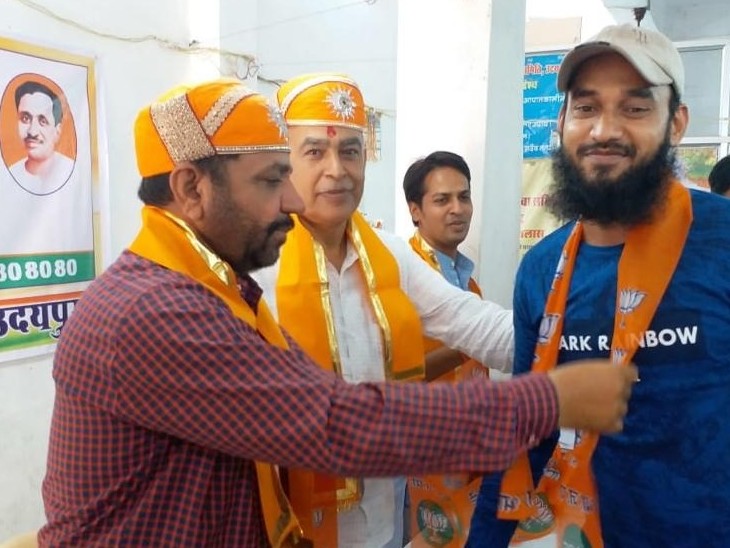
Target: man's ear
678, 125
561, 118
415, 212
188, 189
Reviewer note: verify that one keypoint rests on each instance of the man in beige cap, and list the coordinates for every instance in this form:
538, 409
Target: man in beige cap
637, 274
174, 384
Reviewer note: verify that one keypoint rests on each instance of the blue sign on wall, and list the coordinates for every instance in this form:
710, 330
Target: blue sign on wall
541, 103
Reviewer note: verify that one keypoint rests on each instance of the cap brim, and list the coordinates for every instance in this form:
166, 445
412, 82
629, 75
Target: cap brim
639, 60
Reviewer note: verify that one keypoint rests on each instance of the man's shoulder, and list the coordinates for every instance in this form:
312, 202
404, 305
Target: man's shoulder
132, 278
394, 243
703, 202
710, 215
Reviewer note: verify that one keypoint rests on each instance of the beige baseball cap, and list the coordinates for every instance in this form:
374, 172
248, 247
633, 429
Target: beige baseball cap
650, 52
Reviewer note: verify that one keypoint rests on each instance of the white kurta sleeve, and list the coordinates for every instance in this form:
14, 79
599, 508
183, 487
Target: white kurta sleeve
460, 319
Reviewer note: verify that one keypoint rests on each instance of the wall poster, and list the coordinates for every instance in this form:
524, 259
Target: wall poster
49, 179
541, 102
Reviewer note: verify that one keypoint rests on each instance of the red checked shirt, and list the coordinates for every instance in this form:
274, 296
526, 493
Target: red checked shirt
164, 399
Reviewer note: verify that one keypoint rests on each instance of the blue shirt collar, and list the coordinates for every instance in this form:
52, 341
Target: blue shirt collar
457, 271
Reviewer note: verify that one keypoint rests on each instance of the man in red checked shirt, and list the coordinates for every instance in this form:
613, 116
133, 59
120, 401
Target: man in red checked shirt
175, 387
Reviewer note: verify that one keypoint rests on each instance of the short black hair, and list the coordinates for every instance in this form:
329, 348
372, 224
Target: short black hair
415, 177
30, 87
155, 190
720, 176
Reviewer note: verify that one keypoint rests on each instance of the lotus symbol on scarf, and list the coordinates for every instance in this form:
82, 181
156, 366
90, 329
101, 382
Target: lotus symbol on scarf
629, 300
547, 327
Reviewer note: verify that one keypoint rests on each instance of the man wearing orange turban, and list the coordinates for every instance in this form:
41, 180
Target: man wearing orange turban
358, 301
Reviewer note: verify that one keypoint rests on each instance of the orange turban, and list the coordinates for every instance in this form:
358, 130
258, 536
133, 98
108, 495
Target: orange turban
322, 99
190, 123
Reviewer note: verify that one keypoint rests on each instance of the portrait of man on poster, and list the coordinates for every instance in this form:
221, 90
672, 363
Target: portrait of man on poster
40, 112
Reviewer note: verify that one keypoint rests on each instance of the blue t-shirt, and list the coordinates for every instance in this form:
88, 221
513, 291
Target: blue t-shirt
665, 480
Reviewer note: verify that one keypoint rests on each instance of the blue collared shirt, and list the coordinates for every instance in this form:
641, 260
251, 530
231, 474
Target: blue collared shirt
456, 271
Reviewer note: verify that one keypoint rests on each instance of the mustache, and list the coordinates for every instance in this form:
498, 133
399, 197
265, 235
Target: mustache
341, 188
31, 139
285, 223
608, 146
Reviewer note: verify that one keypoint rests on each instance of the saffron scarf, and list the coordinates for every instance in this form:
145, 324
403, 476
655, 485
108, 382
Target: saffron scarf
169, 242
427, 253
303, 303
565, 501
442, 506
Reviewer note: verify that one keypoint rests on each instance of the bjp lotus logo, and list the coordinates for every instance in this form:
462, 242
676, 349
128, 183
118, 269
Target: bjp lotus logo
628, 301
433, 523
548, 324
540, 523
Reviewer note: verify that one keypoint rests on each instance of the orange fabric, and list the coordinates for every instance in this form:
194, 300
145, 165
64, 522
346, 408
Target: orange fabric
441, 510
246, 123
650, 255
163, 240
442, 506
469, 367
322, 99
299, 294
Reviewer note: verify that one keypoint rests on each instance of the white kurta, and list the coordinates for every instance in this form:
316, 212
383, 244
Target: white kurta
460, 319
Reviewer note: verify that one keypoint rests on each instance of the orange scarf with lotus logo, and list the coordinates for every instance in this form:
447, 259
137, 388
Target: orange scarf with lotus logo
565, 501
442, 505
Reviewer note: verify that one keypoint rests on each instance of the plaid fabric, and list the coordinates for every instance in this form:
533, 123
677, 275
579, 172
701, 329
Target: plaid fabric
164, 399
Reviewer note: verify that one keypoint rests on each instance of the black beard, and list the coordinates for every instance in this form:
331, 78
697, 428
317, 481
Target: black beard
631, 199
263, 255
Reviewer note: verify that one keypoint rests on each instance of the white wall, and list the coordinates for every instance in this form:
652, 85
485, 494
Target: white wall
692, 19
294, 37
593, 13
460, 64
131, 75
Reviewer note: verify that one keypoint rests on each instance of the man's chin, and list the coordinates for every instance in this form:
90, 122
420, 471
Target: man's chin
600, 177
32, 156
269, 257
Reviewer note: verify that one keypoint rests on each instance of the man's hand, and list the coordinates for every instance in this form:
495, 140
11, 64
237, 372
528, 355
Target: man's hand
593, 394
